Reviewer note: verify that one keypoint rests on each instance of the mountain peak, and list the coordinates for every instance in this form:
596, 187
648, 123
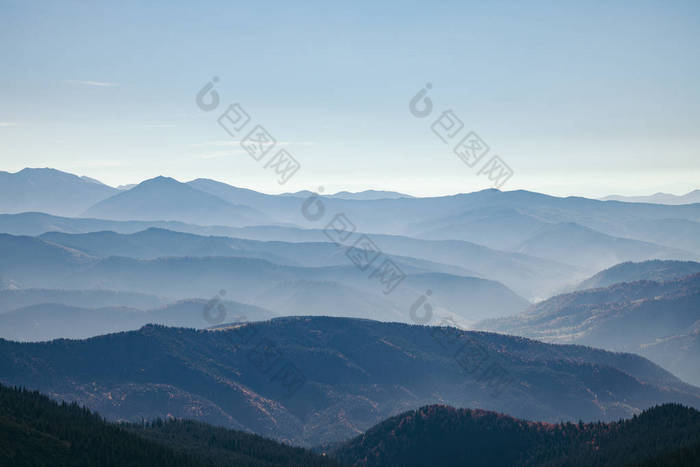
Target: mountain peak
162, 180
159, 183
164, 198
30, 170
49, 190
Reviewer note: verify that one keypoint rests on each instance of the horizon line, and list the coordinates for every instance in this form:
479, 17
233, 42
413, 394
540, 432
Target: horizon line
347, 191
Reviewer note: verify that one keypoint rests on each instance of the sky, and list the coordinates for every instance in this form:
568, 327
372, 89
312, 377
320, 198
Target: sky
577, 98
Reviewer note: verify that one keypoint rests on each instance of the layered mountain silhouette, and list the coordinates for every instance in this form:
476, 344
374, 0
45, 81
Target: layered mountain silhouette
154, 243
679, 353
673, 233
35, 223
573, 244
432, 435
578, 236
351, 374
529, 276
236, 308
235, 195
630, 316
495, 227
40, 263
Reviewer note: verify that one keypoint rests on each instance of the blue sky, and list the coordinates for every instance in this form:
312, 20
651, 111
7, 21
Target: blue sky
584, 98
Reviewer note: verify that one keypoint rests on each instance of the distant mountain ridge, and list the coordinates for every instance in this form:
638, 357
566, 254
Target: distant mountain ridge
660, 198
34, 263
628, 316
528, 276
574, 244
164, 198
48, 321
368, 195
655, 270
12, 299
155, 243
535, 244
50, 191
491, 214
520, 272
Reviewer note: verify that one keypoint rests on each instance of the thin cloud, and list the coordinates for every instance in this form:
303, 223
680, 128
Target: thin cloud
160, 125
236, 143
217, 154
5, 124
101, 84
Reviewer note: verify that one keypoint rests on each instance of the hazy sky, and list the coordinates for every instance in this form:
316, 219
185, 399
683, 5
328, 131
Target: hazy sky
587, 98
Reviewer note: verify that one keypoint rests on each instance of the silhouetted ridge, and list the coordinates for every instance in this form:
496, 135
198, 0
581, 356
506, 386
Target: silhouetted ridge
440, 435
322, 370
37, 431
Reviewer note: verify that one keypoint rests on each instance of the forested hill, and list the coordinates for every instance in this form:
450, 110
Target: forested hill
441, 435
37, 431
321, 370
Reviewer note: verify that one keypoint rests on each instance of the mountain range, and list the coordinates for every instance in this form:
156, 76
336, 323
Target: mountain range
432, 435
38, 263
50, 191
657, 319
528, 276
658, 198
311, 318
655, 270
508, 221
311, 380
164, 198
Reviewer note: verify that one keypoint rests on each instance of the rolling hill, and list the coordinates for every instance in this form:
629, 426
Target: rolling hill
311, 380
630, 316
440, 435
39, 432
